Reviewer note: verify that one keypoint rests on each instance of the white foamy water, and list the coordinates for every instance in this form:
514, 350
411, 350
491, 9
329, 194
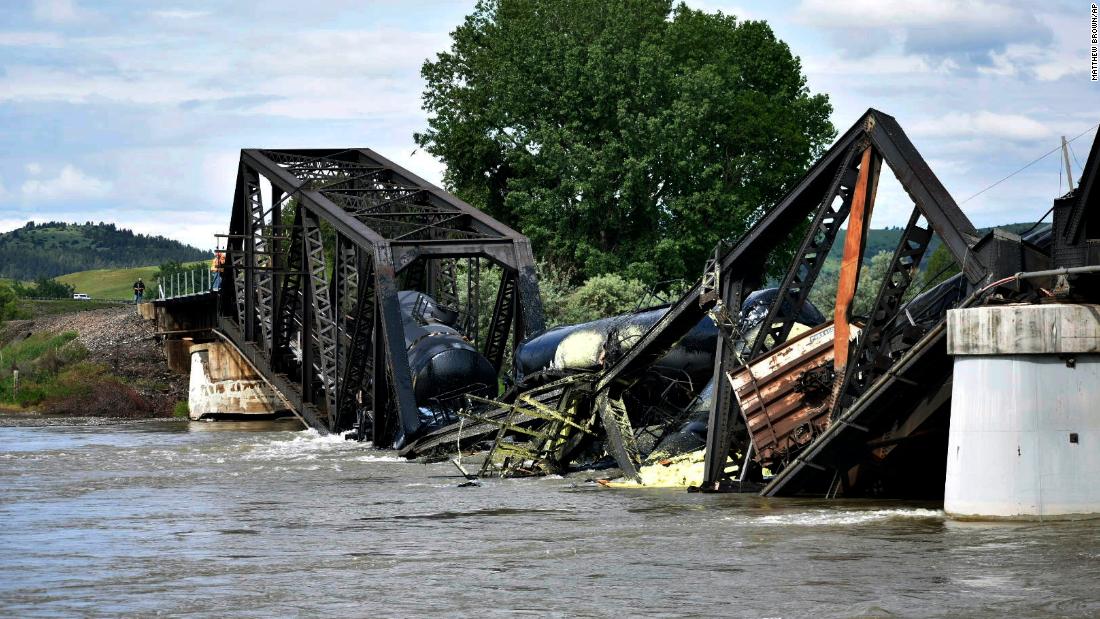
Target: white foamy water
304, 445
374, 458
829, 517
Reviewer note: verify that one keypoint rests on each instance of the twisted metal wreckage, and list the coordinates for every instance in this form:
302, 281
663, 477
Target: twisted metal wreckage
360, 317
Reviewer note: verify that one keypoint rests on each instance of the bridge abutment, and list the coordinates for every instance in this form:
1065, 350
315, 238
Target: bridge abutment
224, 386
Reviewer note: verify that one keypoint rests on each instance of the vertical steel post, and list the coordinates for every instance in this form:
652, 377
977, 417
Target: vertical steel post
722, 405
249, 177
393, 334
306, 328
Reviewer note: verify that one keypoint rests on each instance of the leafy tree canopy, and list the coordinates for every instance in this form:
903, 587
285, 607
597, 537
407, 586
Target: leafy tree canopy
43, 288
9, 307
621, 136
941, 266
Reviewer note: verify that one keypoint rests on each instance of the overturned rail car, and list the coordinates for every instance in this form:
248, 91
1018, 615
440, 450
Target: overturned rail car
557, 370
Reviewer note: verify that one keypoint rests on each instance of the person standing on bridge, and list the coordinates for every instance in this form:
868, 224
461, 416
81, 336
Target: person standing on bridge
139, 291
216, 266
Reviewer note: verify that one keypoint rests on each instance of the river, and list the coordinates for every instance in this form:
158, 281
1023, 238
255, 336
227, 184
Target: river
221, 520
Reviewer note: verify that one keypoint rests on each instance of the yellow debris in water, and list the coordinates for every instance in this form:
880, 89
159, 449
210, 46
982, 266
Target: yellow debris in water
676, 472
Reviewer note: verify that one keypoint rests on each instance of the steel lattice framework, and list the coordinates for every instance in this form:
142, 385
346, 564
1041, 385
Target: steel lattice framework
842, 183
320, 242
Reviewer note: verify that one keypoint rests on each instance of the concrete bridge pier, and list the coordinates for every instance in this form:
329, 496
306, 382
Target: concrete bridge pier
224, 386
1024, 441
222, 383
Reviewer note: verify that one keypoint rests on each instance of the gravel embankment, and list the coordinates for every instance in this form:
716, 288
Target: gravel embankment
118, 338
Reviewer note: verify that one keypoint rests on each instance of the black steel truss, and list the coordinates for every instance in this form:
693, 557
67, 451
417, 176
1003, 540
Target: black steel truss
822, 199
796, 286
315, 301
874, 355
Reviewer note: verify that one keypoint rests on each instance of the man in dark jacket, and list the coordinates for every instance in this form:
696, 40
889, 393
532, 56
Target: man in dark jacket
139, 291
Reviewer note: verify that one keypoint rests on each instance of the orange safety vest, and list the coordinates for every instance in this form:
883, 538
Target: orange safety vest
218, 262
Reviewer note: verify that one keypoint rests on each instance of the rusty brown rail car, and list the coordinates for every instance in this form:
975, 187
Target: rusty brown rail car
785, 396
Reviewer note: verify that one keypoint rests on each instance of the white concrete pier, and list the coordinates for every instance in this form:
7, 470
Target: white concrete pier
1025, 412
223, 385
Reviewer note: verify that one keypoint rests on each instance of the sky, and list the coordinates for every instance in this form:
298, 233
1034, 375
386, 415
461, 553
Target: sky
134, 111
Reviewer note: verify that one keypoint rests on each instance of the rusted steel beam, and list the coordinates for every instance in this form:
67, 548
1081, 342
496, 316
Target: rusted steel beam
855, 241
844, 442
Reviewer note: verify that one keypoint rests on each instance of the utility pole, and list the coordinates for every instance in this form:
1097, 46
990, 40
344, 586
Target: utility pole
1065, 157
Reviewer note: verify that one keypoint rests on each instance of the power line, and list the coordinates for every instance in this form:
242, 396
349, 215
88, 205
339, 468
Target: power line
1037, 223
1075, 159
1033, 162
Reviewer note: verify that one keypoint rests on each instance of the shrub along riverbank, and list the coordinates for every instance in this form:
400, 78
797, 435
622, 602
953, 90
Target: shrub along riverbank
46, 367
51, 374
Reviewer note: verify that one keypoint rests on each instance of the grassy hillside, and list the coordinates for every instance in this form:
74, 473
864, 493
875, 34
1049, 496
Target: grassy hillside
58, 376
114, 283
52, 249
110, 283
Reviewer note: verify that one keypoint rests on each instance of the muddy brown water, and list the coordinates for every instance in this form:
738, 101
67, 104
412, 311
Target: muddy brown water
171, 518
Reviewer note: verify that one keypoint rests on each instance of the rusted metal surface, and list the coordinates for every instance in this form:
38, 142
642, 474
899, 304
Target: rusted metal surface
784, 396
844, 444
863, 203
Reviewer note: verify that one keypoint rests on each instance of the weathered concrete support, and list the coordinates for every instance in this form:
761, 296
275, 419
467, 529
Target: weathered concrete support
147, 310
223, 385
1025, 412
178, 353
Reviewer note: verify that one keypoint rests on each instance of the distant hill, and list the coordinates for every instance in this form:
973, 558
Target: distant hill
55, 248
886, 240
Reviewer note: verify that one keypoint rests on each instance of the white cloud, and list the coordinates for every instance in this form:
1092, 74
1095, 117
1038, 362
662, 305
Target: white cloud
890, 13
1044, 64
57, 11
25, 83
33, 169
962, 32
70, 183
880, 64
179, 14
317, 74
343, 52
340, 98
954, 125
30, 39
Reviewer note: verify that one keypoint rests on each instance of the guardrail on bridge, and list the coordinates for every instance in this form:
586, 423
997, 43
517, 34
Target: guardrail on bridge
187, 283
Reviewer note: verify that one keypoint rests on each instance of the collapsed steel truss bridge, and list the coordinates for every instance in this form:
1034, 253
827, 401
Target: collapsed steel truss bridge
873, 398
320, 243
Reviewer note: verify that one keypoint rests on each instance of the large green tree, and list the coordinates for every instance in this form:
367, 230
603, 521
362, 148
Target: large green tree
9, 307
621, 135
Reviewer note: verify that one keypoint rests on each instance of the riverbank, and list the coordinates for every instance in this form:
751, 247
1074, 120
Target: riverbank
100, 363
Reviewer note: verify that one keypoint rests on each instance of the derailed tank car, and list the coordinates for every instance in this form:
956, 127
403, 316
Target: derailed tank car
668, 404
445, 365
